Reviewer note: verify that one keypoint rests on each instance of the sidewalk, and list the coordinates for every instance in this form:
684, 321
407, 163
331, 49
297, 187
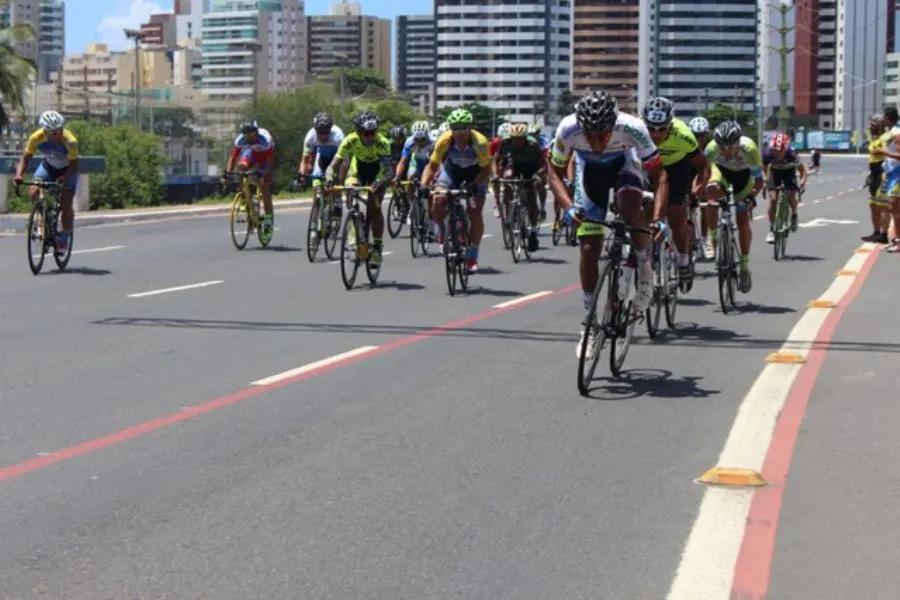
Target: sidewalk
15, 222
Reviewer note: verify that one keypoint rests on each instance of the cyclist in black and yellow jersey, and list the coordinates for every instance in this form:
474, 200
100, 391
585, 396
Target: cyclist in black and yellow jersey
878, 205
680, 152
780, 168
369, 156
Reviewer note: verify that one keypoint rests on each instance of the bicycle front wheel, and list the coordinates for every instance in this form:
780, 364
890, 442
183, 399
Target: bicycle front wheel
240, 221
415, 229
313, 231
37, 238
451, 256
350, 251
595, 328
395, 216
723, 266
515, 233
624, 323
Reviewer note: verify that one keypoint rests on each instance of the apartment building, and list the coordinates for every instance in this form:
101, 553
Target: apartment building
416, 54
347, 36
515, 58
252, 46
48, 19
189, 19
605, 50
159, 31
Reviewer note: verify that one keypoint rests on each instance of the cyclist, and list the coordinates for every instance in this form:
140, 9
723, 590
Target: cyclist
736, 162
815, 165
890, 183
254, 149
612, 149
502, 133
699, 126
780, 164
397, 136
460, 156
416, 152
369, 156
524, 159
319, 147
681, 156
877, 205
59, 162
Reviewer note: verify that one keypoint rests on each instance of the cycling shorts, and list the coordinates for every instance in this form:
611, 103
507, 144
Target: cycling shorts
594, 181
876, 174
45, 172
741, 183
785, 177
680, 178
452, 177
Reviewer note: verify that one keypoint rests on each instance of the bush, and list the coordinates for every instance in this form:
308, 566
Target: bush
134, 161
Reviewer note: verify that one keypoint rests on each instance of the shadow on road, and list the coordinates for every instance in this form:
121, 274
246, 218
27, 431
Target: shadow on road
654, 383
802, 258
280, 248
392, 285
80, 271
549, 261
762, 309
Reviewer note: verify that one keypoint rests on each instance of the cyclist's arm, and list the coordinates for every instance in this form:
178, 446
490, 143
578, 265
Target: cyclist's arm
804, 174
559, 162
306, 163
659, 177
701, 165
542, 164
235, 153
23, 162
484, 161
753, 159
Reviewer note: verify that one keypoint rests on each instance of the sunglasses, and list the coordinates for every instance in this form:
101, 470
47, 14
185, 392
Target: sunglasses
54, 131
367, 134
459, 128
658, 128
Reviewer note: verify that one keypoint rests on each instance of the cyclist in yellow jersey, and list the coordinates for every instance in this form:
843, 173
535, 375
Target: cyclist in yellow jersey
679, 151
878, 205
369, 155
460, 155
59, 150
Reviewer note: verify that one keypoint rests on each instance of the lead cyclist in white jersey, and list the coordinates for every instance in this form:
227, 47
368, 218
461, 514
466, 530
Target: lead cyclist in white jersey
612, 151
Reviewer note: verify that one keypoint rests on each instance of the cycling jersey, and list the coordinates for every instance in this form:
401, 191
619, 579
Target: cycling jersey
788, 162
680, 144
494, 146
55, 154
263, 144
747, 157
448, 153
397, 150
874, 144
326, 149
352, 147
530, 153
420, 154
628, 133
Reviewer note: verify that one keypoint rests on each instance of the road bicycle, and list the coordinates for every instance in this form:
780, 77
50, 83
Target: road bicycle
664, 259
456, 239
515, 223
355, 244
324, 224
781, 227
421, 230
246, 214
398, 209
728, 253
44, 226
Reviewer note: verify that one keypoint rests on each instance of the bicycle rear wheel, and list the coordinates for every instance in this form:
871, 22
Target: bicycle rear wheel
515, 233
415, 230
624, 324
62, 261
672, 288
723, 266
594, 329
240, 221
463, 246
313, 230
780, 230
350, 258
451, 252
654, 311
505, 228
37, 238
372, 271
332, 229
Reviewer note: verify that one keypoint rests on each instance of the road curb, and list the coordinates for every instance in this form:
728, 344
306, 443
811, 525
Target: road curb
15, 223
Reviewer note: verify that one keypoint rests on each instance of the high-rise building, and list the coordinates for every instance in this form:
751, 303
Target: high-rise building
699, 57
345, 36
48, 19
415, 58
189, 19
840, 52
605, 51
513, 57
771, 19
159, 31
252, 45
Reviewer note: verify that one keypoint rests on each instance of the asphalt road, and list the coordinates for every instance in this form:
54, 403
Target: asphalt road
454, 460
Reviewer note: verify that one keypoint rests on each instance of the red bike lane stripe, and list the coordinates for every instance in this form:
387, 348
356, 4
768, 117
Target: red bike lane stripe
753, 567
66, 454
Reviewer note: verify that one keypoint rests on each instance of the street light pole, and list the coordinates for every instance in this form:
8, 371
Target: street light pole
137, 35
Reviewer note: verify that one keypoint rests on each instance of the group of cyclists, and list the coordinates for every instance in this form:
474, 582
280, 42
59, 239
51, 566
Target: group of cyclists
597, 149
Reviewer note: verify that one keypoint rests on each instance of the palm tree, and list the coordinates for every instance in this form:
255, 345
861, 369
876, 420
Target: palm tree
16, 70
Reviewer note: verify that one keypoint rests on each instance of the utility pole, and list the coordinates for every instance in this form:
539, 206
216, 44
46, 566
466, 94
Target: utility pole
59, 90
656, 38
783, 51
87, 97
137, 35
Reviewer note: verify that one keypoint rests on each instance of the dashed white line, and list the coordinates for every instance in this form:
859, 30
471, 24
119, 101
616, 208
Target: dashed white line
91, 250
521, 299
314, 365
179, 288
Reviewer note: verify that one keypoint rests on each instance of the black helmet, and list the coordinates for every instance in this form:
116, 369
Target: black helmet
249, 126
398, 132
597, 112
323, 122
366, 120
727, 133
658, 112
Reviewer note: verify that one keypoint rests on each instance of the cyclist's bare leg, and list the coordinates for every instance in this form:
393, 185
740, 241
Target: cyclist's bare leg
374, 215
476, 221
66, 200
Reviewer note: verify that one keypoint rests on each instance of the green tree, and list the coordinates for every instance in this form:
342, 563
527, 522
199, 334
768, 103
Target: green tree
566, 104
15, 70
134, 161
394, 112
724, 112
483, 116
288, 116
357, 80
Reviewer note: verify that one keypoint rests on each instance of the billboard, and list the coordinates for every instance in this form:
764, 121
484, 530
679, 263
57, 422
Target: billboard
829, 140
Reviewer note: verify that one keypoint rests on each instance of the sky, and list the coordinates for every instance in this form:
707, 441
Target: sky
103, 20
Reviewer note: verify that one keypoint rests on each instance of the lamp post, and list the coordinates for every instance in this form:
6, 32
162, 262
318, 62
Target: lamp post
138, 36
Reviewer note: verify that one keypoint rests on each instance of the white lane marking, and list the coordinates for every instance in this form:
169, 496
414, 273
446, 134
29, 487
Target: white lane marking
487, 235
314, 365
90, 250
176, 289
706, 569
521, 299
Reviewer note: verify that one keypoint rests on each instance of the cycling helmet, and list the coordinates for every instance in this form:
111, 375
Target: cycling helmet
728, 133
323, 122
52, 120
780, 142
597, 112
658, 112
249, 126
460, 116
420, 129
365, 120
503, 131
699, 125
398, 132
518, 130
534, 130
444, 128
434, 134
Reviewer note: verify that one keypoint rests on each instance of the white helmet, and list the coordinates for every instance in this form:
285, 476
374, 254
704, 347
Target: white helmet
52, 120
434, 134
503, 131
444, 128
699, 125
420, 129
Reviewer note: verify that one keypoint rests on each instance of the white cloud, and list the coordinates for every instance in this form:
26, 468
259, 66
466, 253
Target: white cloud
110, 28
